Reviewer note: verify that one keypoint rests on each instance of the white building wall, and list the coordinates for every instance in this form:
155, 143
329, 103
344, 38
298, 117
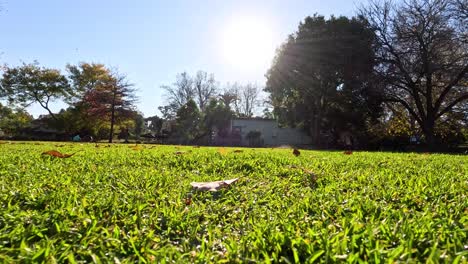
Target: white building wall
271, 134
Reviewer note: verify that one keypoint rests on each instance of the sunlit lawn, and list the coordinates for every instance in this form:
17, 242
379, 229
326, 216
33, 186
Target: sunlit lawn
121, 203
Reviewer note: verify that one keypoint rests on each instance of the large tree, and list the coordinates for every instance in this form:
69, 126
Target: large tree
422, 55
321, 77
29, 83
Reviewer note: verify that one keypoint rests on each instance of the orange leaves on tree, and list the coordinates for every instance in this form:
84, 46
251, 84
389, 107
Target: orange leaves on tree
57, 154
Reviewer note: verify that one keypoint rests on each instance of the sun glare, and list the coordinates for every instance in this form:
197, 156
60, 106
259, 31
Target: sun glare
248, 44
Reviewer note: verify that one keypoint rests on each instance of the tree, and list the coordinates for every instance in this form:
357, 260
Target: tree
180, 92
248, 99
87, 76
200, 89
113, 100
139, 125
321, 77
205, 88
29, 83
217, 116
421, 49
187, 122
13, 120
228, 96
244, 98
154, 124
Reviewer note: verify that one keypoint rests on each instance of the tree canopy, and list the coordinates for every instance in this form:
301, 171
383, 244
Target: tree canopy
422, 60
321, 77
29, 83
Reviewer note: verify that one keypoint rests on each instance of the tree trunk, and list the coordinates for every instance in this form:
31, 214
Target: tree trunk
111, 133
429, 134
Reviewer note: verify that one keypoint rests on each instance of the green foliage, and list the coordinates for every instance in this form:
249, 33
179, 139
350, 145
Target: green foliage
29, 83
102, 96
217, 114
187, 123
155, 124
321, 77
12, 121
121, 204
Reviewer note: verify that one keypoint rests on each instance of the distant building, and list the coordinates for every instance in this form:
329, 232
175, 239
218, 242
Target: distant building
259, 132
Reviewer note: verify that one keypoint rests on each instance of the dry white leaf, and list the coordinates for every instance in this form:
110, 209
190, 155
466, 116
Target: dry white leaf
212, 186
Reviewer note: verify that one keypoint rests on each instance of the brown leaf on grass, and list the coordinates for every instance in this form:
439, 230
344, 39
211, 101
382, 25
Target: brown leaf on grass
296, 152
55, 153
188, 201
238, 151
136, 147
61, 145
222, 151
212, 186
180, 152
313, 176
348, 152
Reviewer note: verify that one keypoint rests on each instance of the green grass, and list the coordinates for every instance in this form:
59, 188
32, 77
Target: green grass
118, 204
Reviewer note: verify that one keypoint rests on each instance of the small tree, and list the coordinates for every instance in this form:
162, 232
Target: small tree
217, 115
113, 100
13, 120
187, 122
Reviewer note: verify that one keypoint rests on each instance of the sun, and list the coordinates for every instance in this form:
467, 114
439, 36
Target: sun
247, 43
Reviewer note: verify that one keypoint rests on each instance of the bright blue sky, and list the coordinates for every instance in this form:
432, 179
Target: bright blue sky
149, 40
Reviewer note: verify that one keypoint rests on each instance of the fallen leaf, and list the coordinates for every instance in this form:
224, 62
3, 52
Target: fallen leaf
57, 154
296, 152
212, 186
136, 147
179, 152
222, 151
188, 201
238, 151
348, 152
